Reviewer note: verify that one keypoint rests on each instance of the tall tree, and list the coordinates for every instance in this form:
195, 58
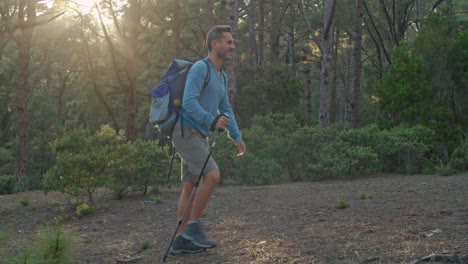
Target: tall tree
327, 49
355, 104
232, 65
209, 23
253, 51
261, 30
26, 24
275, 31
176, 22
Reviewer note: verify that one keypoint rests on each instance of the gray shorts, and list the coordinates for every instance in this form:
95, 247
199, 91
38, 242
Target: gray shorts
193, 148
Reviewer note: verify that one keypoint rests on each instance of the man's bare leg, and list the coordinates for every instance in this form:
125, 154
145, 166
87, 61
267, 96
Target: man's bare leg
203, 193
184, 196
195, 230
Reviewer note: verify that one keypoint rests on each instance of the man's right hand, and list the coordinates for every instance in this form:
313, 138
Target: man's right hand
220, 123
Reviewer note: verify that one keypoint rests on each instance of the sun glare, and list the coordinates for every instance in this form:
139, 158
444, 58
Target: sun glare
87, 7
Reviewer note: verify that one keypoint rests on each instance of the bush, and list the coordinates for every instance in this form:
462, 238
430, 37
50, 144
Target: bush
84, 209
306, 149
266, 149
319, 154
459, 158
340, 160
399, 150
256, 170
264, 159
83, 160
137, 166
7, 184
52, 246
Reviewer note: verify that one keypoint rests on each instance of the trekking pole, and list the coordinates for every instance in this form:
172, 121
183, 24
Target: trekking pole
179, 223
170, 167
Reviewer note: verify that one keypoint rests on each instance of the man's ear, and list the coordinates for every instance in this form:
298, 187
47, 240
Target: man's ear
214, 43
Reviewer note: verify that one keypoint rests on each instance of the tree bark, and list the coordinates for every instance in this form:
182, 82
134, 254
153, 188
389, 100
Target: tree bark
177, 29
232, 65
261, 31
327, 62
209, 14
274, 31
26, 20
355, 105
132, 65
252, 36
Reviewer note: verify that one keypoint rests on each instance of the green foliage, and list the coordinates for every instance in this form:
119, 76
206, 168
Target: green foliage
145, 245
43, 130
320, 155
86, 161
137, 166
266, 160
252, 169
53, 246
405, 94
399, 150
24, 201
342, 203
7, 184
365, 196
341, 160
83, 160
7, 159
84, 209
459, 158
274, 90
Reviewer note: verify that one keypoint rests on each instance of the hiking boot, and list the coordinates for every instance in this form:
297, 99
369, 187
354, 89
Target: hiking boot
195, 232
182, 245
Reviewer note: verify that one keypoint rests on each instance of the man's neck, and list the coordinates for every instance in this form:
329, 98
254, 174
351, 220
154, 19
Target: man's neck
217, 63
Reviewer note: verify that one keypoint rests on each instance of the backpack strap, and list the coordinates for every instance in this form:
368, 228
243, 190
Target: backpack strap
205, 84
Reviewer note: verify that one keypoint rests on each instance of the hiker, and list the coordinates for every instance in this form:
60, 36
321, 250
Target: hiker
205, 110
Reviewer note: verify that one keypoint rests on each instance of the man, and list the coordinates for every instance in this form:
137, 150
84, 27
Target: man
205, 110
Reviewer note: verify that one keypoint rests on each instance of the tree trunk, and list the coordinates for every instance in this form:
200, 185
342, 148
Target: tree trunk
261, 30
309, 97
327, 62
177, 29
355, 105
232, 65
132, 65
274, 31
26, 21
209, 14
252, 36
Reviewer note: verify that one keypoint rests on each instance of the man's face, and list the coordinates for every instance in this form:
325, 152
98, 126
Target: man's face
224, 48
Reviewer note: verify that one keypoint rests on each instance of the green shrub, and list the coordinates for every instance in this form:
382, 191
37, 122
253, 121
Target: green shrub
84, 209
342, 203
459, 157
137, 166
24, 202
53, 246
255, 170
340, 160
83, 159
399, 150
306, 149
7, 184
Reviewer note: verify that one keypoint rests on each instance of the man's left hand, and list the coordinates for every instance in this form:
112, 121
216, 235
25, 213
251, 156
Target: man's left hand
241, 147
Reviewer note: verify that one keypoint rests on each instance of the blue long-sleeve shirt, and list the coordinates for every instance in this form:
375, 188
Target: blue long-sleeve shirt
200, 108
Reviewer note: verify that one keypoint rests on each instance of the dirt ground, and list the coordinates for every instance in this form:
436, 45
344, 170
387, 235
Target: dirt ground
389, 219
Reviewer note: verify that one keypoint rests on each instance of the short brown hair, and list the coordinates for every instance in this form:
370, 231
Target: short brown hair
216, 33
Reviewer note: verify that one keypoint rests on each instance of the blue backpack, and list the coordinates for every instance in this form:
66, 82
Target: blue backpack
168, 95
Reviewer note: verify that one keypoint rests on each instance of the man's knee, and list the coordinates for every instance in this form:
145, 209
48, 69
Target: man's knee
212, 178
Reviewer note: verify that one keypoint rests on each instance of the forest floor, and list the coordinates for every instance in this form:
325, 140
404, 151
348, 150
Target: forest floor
389, 219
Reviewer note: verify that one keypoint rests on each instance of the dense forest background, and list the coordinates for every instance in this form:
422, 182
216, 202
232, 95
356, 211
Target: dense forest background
321, 89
